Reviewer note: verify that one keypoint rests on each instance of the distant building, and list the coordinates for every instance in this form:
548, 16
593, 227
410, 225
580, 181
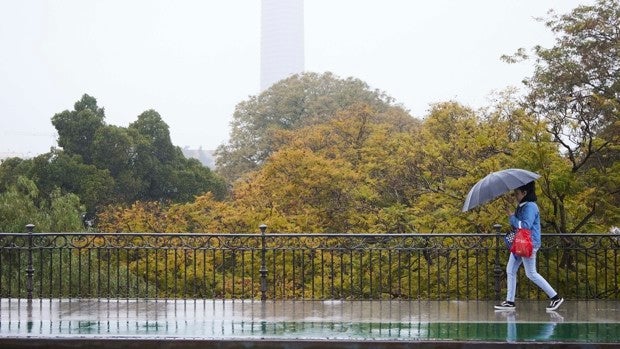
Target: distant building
282, 40
204, 156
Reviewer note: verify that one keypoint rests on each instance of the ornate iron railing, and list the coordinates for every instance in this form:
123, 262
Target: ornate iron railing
296, 266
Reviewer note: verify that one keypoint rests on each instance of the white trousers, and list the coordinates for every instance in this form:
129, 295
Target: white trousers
530, 271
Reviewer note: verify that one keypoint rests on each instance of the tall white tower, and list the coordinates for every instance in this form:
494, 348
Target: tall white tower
282, 40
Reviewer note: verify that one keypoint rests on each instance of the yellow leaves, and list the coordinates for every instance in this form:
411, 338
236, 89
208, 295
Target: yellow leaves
139, 217
332, 176
295, 183
361, 172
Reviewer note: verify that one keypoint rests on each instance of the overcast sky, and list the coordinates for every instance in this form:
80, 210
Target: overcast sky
194, 60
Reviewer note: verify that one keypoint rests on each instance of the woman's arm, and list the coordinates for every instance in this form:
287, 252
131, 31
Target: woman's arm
527, 214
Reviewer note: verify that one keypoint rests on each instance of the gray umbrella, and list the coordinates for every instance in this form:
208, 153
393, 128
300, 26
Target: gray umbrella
496, 184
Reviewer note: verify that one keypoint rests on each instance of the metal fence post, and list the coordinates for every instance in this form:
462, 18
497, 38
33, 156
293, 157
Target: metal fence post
497, 269
30, 268
263, 266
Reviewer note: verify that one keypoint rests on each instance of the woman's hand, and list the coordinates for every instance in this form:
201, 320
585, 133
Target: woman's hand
508, 205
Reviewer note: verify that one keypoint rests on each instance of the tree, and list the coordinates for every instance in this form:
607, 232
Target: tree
11, 169
60, 170
298, 101
113, 149
21, 203
156, 133
575, 89
455, 148
105, 164
341, 175
165, 172
76, 129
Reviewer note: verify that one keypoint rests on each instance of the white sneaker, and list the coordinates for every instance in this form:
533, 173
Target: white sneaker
555, 303
505, 305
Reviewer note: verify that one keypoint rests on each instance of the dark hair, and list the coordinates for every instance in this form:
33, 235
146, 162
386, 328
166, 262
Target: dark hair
530, 190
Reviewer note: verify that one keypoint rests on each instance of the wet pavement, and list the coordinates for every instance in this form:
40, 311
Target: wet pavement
593, 323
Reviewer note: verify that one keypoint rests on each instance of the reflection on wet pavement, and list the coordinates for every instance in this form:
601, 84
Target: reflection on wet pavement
575, 321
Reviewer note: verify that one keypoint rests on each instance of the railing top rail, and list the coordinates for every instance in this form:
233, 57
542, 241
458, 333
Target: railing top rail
326, 235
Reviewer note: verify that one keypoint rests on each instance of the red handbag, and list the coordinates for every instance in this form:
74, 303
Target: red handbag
522, 245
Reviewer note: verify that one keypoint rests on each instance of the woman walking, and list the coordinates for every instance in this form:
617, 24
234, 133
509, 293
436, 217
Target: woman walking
528, 216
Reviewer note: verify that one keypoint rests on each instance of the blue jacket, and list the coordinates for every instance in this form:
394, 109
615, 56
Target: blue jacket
528, 214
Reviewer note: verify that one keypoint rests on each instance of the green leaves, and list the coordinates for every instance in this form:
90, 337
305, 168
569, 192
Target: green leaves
293, 103
22, 204
76, 129
103, 164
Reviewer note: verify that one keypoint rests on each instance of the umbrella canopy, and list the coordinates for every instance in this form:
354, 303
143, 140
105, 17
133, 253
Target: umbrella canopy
496, 184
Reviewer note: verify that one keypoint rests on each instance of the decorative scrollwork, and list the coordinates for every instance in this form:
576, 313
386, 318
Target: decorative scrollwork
241, 242
10, 241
